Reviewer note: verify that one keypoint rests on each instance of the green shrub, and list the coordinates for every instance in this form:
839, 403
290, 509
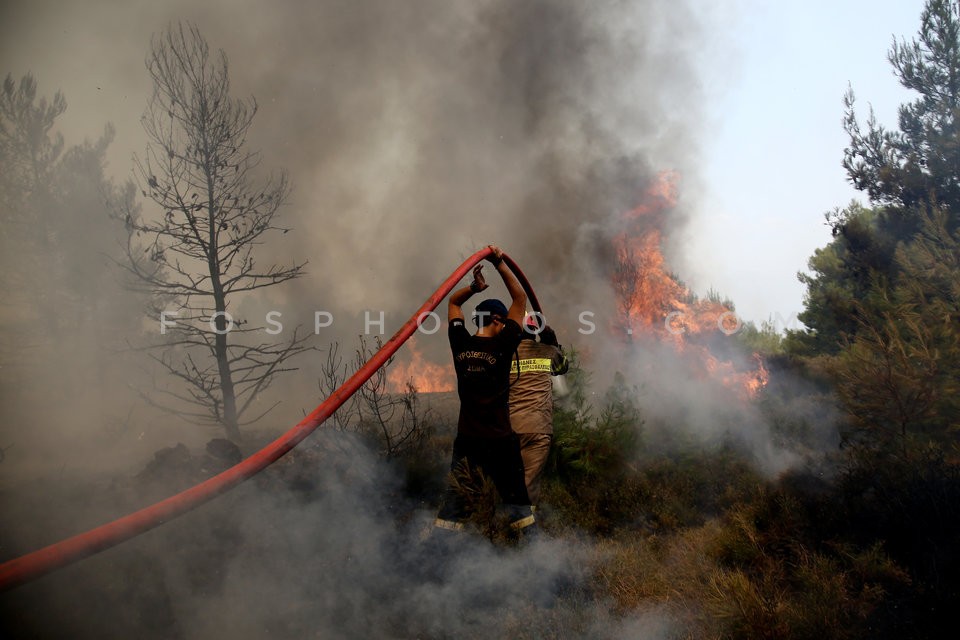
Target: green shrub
787, 571
686, 488
591, 481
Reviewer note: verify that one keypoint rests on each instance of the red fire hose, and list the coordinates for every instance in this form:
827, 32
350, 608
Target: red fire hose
33, 565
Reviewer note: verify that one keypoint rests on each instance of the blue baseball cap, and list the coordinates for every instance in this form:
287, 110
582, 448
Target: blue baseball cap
487, 309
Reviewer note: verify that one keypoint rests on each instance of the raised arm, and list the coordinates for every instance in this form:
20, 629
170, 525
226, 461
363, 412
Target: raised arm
458, 297
518, 297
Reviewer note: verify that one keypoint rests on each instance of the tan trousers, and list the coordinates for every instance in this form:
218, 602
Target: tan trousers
534, 447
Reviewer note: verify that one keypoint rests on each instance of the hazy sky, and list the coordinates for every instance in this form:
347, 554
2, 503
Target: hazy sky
772, 163
761, 89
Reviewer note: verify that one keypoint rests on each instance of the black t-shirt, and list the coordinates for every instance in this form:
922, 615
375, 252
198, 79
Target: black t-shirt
483, 378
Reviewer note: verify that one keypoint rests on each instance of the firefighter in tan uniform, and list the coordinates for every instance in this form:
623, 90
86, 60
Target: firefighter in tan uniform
531, 397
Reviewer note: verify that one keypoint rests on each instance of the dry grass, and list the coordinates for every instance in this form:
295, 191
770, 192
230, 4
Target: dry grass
672, 573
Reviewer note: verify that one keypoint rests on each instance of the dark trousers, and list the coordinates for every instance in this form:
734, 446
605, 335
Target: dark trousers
499, 459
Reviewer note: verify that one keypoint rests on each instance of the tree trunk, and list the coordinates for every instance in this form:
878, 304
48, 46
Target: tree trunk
229, 419
230, 423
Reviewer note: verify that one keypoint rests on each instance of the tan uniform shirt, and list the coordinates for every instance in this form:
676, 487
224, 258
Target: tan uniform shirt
531, 389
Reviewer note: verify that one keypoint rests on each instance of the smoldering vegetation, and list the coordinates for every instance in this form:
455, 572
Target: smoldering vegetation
324, 544
775, 418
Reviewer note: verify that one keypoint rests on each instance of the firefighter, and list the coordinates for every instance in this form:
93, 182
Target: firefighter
482, 362
531, 397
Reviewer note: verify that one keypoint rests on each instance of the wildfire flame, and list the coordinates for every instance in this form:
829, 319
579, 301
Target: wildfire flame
411, 368
652, 303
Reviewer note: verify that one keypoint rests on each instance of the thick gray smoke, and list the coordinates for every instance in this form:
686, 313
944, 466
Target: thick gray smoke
424, 134
414, 135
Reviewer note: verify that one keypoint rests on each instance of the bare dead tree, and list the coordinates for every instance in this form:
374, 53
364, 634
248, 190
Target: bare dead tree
196, 254
333, 372
396, 420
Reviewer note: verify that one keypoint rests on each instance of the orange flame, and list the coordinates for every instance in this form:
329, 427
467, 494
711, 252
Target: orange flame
412, 369
652, 303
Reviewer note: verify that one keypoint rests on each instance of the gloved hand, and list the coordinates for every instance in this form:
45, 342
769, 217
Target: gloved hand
549, 336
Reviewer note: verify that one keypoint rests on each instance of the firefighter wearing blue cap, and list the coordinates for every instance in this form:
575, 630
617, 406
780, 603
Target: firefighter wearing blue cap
482, 362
